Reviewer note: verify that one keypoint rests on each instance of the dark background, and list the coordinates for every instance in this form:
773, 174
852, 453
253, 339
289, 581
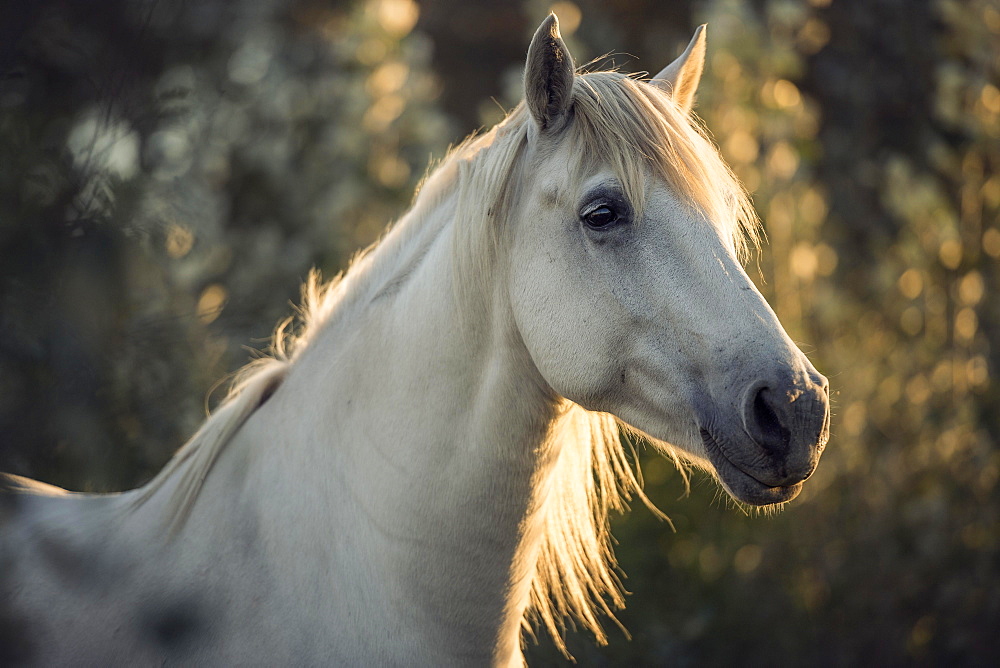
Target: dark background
170, 170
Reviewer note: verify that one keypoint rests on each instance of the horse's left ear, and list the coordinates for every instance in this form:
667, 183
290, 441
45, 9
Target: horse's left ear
548, 77
680, 78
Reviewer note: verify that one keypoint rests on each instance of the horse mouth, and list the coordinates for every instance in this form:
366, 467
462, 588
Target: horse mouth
740, 484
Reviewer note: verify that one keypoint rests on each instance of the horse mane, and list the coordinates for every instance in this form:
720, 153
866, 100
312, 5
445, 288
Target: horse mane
616, 120
190, 465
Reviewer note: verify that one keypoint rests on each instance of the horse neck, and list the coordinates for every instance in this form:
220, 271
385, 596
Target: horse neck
423, 437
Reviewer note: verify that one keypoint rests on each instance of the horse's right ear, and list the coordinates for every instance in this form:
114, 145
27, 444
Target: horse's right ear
680, 78
548, 77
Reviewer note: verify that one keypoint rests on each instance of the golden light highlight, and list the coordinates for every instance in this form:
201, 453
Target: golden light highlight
210, 303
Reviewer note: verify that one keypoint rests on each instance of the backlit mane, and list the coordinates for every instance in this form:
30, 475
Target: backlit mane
615, 120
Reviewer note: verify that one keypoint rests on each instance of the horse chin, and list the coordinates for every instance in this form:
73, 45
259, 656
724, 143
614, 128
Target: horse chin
758, 494
741, 485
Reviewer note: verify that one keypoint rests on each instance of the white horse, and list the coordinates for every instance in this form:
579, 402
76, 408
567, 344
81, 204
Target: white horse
428, 465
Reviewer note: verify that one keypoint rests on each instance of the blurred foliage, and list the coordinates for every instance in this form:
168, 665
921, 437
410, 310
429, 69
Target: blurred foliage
169, 171
161, 210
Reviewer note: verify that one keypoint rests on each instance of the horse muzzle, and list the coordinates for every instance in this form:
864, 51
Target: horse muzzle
771, 444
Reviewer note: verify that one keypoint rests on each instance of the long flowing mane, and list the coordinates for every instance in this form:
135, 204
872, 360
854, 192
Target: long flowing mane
616, 120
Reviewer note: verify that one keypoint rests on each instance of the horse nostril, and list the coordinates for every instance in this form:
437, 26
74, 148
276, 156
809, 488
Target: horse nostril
765, 425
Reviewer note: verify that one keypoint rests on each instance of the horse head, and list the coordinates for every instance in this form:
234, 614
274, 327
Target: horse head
626, 283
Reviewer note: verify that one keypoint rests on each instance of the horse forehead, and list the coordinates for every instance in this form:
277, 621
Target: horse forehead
552, 176
662, 203
556, 188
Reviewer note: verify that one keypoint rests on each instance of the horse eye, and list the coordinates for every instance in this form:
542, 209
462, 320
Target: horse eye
601, 217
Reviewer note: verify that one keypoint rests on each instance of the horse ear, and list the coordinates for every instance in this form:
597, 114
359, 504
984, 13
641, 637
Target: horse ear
680, 78
548, 76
